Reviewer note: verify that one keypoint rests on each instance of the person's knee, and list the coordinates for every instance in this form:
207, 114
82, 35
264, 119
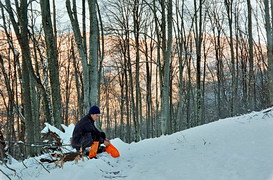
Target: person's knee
87, 140
89, 143
76, 146
102, 135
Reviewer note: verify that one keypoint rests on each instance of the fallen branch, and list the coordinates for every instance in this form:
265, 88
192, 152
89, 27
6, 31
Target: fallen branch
5, 174
24, 164
267, 111
42, 165
10, 168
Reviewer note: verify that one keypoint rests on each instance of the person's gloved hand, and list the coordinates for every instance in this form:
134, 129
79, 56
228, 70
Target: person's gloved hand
112, 151
106, 142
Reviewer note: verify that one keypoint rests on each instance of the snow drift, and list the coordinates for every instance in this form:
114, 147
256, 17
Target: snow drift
239, 148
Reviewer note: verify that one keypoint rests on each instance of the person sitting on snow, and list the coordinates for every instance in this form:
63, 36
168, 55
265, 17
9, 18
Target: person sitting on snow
85, 134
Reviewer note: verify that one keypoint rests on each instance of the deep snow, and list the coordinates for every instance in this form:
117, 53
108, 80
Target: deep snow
239, 148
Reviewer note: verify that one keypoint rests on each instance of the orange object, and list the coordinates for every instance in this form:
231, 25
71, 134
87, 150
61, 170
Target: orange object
93, 149
112, 151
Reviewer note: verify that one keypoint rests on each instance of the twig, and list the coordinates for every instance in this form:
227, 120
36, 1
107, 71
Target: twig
5, 174
10, 168
267, 111
24, 164
42, 165
204, 141
179, 140
35, 144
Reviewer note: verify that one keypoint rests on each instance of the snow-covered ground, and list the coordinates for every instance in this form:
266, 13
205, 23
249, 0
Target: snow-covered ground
239, 148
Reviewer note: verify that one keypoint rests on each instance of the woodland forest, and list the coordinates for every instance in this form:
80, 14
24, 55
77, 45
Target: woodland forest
153, 66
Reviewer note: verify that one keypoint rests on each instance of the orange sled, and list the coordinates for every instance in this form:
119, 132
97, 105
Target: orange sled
112, 151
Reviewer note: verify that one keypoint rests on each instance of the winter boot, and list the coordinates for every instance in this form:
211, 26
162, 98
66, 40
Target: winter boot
112, 151
101, 149
93, 149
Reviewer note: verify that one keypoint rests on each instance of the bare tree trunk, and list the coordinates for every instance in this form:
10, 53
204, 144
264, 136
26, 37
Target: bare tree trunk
35, 116
52, 63
82, 50
220, 95
203, 108
48, 115
101, 56
136, 17
22, 36
54, 23
127, 92
251, 63
229, 8
198, 43
116, 123
159, 79
10, 81
148, 82
122, 104
84, 38
108, 123
131, 88
189, 101
236, 60
269, 36
10, 106
165, 114
67, 89
78, 86
179, 41
93, 51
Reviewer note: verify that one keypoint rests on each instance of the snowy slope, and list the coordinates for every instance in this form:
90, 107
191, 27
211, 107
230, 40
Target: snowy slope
239, 148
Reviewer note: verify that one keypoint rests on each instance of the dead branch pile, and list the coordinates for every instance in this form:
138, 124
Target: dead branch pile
56, 154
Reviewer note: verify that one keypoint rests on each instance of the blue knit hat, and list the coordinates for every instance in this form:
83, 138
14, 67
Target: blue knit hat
94, 110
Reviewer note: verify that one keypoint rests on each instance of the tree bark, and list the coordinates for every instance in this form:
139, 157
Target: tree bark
252, 103
82, 50
198, 43
27, 70
229, 9
53, 65
167, 49
136, 17
93, 51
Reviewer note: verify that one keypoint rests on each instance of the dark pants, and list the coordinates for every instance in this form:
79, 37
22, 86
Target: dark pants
87, 140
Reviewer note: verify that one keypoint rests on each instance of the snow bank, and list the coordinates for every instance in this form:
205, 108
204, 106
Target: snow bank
239, 148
